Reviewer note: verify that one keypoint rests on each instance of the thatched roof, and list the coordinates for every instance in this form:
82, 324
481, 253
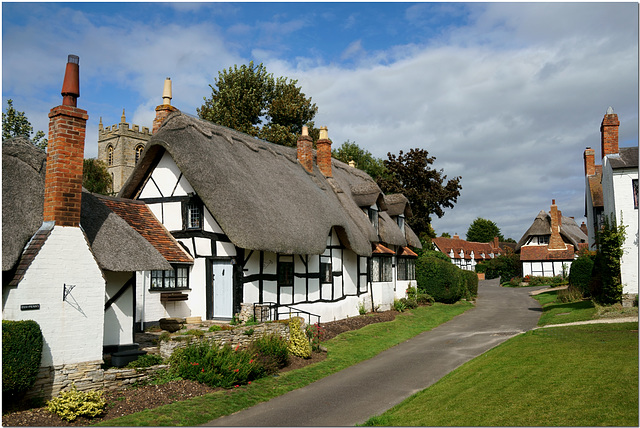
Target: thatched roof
541, 226
23, 169
397, 204
115, 245
259, 193
627, 157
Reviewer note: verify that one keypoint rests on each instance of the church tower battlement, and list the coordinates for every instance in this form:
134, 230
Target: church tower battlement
120, 147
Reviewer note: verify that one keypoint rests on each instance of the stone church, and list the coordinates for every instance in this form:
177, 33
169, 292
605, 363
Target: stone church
120, 146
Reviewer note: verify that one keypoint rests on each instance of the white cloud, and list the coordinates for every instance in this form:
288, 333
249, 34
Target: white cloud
507, 98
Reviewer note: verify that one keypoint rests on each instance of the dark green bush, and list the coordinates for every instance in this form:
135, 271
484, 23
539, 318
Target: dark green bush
21, 354
409, 303
436, 254
581, 273
215, 367
146, 360
425, 299
470, 280
607, 287
271, 352
505, 267
442, 280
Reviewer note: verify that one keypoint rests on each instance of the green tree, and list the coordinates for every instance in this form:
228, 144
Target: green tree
16, 124
426, 188
483, 230
249, 99
350, 151
609, 240
96, 178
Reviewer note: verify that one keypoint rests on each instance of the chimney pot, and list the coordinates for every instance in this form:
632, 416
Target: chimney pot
166, 92
71, 84
324, 133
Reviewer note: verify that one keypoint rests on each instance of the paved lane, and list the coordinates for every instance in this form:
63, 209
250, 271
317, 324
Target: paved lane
371, 387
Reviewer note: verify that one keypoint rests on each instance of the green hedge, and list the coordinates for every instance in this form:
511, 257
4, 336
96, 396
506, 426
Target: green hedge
21, 354
437, 255
470, 280
442, 280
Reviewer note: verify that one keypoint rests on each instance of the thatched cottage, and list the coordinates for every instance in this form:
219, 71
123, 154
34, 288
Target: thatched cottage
551, 244
272, 229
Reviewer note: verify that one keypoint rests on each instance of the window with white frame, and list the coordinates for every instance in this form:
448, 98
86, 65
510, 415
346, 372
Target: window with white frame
373, 217
406, 269
192, 213
174, 279
326, 274
381, 269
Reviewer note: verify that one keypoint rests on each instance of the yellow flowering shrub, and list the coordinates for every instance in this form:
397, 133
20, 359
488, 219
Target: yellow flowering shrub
71, 404
298, 343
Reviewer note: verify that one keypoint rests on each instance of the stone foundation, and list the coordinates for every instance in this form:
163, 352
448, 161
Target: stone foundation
86, 376
261, 312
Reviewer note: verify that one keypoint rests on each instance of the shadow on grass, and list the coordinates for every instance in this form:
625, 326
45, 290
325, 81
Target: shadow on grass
569, 307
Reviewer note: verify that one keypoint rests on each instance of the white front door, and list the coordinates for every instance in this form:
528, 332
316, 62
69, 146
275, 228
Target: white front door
222, 277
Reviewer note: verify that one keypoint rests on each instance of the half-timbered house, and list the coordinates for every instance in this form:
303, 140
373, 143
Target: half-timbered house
272, 229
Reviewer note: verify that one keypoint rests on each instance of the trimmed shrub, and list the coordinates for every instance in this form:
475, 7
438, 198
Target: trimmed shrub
398, 305
21, 354
440, 279
569, 295
581, 273
271, 352
409, 303
215, 367
298, 343
71, 404
470, 280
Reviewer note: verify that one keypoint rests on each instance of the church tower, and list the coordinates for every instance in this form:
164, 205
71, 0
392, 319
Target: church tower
120, 147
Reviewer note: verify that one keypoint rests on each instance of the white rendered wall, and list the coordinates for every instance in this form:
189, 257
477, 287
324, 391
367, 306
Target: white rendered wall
618, 202
118, 319
72, 329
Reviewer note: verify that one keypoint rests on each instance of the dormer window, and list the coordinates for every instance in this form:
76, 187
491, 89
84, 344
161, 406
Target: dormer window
400, 221
373, 217
192, 214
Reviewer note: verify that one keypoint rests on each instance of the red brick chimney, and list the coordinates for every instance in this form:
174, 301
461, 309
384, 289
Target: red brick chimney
609, 133
456, 236
164, 109
65, 153
589, 161
305, 153
496, 243
324, 153
556, 242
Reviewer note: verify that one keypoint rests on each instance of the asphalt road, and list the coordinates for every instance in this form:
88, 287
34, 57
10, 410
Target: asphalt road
371, 387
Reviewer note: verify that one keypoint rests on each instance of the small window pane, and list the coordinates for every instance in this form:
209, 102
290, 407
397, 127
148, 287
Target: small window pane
194, 215
285, 274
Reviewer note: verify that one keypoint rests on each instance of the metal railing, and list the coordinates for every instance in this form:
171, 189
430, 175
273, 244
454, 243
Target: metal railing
270, 311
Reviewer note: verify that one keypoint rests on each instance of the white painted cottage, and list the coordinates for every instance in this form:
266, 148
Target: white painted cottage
612, 191
269, 228
68, 260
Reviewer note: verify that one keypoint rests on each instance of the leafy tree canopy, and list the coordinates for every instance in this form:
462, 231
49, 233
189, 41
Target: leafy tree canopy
483, 230
426, 188
16, 124
249, 99
350, 151
96, 178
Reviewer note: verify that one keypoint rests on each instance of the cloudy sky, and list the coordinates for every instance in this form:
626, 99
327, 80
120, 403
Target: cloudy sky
506, 95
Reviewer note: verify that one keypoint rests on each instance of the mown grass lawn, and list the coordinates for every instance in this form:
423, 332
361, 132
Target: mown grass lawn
343, 351
559, 313
584, 375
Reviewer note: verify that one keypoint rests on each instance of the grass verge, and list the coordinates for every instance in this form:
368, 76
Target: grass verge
554, 312
343, 351
584, 375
